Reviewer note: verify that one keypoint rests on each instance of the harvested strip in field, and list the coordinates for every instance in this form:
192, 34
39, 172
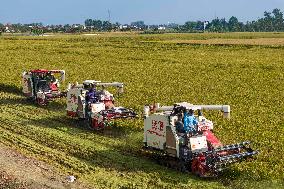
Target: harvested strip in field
259, 41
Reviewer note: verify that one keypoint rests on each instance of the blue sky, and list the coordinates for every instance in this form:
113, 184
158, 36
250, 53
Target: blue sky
126, 11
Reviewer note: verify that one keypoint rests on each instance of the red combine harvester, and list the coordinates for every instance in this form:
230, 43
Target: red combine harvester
42, 86
184, 140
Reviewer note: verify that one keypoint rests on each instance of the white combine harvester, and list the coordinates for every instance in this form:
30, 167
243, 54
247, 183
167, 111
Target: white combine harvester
91, 101
185, 141
42, 86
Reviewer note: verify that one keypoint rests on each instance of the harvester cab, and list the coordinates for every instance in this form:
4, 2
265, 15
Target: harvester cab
91, 101
42, 85
185, 136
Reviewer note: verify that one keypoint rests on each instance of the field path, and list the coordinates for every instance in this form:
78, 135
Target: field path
19, 171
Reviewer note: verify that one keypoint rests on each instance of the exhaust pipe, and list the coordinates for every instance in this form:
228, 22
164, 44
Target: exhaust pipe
226, 109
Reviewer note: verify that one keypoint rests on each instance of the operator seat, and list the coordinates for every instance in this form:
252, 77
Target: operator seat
42, 84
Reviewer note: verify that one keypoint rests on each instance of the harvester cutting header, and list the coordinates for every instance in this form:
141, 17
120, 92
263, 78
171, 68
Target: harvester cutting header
185, 140
91, 101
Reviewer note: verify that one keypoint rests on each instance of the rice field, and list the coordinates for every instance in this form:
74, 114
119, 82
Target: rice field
244, 70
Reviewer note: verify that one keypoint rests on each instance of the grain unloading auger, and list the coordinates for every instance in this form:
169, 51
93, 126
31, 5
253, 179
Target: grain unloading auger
185, 141
42, 86
92, 102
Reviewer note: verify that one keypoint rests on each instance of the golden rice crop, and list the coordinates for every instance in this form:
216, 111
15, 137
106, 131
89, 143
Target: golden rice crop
247, 77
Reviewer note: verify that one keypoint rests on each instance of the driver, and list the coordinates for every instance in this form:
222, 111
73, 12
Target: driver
92, 95
189, 121
179, 124
53, 84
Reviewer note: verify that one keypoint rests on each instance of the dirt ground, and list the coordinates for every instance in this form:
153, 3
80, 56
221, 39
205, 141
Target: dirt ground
20, 172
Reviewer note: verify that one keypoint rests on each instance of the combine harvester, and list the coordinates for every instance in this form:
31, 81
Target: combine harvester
41, 86
185, 141
92, 102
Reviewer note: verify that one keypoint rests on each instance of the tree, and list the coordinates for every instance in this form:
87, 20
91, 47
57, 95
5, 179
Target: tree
217, 25
199, 26
67, 28
1, 28
278, 20
37, 31
116, 26
233, 24
138, 25
267, 22
98, 24
88, 22
189, 26
106, 26
271, 21
224, 25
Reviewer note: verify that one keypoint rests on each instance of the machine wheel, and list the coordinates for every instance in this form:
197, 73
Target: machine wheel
95, 125
41, 102
198, 166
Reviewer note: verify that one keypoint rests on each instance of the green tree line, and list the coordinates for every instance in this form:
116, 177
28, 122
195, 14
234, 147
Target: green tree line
99, 25
271, 22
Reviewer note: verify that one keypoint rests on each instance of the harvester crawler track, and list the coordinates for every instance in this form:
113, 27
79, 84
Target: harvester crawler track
167, 161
